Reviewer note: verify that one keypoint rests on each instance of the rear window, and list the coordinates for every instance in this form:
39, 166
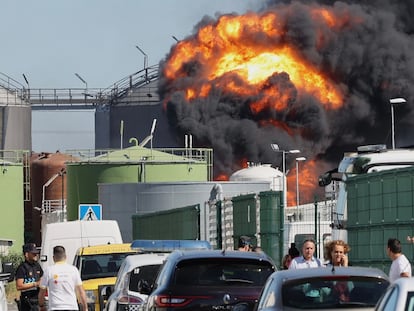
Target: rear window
217, 272
147, 273
331, 292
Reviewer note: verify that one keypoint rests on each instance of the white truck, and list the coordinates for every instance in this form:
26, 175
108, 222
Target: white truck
368, 159
75, 234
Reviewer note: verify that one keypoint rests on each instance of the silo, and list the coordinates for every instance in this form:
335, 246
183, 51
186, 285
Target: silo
260, 172
135, 164
48, 186
15, 121
11, 206
271, 214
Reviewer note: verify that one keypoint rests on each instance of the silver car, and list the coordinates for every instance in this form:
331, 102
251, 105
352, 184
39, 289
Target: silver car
136, 271
398, 297
324, 288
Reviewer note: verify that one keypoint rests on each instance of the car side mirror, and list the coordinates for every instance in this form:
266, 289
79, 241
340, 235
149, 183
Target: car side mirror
325, 179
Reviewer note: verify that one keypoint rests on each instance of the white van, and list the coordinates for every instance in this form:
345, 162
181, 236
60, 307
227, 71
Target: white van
75, 234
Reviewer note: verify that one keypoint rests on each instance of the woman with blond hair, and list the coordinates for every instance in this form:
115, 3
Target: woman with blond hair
336, 252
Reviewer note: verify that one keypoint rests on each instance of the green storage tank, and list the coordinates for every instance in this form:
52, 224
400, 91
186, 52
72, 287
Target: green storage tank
133, 165
380, 206
12, 205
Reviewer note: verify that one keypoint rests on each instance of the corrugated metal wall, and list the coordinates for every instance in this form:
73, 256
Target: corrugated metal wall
271, 218
380, 206
176, 224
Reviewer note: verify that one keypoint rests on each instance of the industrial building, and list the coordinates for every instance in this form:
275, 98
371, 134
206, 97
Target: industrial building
134, 171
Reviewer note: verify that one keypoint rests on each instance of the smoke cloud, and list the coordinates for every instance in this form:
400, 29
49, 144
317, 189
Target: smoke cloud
367, 55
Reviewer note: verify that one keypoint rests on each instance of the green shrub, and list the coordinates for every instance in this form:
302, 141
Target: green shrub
14, 258
11, 291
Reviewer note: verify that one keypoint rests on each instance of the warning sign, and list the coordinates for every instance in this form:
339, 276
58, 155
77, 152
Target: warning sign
90, 212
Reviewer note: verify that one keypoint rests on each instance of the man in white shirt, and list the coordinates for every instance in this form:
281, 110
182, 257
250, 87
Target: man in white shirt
307, 260
63, 283
400, 266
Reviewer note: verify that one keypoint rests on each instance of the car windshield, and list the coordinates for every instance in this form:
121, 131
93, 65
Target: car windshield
103, 265
333, 292
214, 272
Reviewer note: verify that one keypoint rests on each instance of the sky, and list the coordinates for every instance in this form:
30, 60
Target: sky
48, 41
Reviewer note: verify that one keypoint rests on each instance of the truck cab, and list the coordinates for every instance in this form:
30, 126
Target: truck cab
98, 266
367, 159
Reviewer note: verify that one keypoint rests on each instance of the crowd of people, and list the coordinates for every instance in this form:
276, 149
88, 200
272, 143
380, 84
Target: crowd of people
63, 283
336, 255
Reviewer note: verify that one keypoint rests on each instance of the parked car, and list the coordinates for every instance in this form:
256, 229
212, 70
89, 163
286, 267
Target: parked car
398, 296
135, 272
210, 280
324, 288
98, 266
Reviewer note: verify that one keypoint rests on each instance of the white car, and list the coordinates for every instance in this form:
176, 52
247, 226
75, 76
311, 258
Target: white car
399, 296
324, 288
136, 271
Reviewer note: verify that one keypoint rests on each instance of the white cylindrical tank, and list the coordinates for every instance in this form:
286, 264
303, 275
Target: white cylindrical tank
260, 172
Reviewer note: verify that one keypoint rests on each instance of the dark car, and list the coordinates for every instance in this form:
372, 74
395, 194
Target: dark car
325, 288
210, 280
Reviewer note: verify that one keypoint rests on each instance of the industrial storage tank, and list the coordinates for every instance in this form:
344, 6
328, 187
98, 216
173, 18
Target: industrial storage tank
11, 206
15, 121
135, 164
48, 187
260, 172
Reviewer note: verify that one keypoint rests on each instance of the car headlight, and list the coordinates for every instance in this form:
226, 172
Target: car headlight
90, 296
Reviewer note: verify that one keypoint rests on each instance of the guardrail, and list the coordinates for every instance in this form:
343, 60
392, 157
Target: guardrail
136, 87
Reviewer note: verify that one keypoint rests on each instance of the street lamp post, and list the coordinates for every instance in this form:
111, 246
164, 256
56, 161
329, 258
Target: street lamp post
297, 181
28, 85
394, 101
145, 56
86, 83
275, 147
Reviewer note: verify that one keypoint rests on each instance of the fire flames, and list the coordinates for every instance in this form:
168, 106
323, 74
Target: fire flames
242, 82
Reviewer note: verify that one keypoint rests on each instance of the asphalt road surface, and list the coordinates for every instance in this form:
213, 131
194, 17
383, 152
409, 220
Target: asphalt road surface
12, 306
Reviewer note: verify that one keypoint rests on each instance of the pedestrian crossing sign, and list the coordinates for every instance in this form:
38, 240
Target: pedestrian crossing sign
90, 212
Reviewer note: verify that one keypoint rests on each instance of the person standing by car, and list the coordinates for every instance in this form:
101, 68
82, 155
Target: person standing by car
400, 266
63, 283
307, 260
245, 244
337, 253
28, 275
286, 260
293, 251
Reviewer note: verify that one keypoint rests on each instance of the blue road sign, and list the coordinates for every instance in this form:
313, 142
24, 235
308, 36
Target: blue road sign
90, 212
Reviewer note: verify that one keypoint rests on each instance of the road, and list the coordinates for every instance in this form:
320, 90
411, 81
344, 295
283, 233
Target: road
11, 306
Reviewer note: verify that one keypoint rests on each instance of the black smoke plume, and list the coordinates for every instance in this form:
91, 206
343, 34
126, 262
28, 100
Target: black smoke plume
371, 59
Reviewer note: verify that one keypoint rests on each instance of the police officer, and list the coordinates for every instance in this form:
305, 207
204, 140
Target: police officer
28, 276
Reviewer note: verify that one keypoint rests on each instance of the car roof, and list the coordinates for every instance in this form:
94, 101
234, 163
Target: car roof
144, 259
192, 254
405, 283
292, 274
